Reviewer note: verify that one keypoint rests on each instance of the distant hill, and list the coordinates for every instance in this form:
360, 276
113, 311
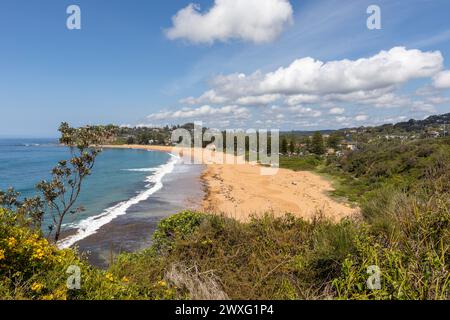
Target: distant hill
307, 133
412, 125
418, 125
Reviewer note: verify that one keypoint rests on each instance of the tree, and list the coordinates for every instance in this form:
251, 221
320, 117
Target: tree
333, 140
59, 195
317, 145
292, 147
284, 146
28, 212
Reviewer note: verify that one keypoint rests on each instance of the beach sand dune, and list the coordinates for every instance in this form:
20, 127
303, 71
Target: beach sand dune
240, 192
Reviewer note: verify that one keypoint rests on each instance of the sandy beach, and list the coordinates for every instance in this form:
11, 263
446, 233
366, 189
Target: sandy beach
240, 191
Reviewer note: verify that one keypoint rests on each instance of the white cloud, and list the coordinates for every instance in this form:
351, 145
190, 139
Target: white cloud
201, 112
361, 117
308, 81
341, 119
385, 100
336, 111
301, 98
330, 94
258, 100
422, 106
301, 111
442, 80
208, 97
387, 68
249, 20
436, 100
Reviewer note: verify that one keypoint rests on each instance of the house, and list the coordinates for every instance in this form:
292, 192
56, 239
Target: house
349, 146
434, 134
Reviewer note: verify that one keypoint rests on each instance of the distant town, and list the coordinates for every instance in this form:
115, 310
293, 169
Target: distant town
302, 143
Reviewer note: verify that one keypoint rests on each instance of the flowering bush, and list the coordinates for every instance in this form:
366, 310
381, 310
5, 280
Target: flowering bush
33, 268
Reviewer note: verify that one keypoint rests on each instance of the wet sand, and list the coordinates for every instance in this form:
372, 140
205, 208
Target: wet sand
182, 190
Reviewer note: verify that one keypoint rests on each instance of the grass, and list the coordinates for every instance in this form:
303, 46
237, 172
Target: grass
345, 188
307, 163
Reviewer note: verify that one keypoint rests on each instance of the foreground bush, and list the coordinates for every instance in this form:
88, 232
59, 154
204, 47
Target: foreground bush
410, 243
33, 268
200, 256
207, 257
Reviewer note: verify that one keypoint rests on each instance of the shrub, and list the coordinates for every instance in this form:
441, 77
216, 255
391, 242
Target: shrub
33, 268
178, 226
413, 254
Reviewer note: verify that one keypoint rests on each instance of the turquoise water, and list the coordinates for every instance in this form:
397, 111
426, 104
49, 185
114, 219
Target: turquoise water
120, 179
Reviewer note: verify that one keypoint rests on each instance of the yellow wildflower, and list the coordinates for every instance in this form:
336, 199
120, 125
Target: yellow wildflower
37, 287
38, 254
48, 297
11, 242
2, 255
110, 277
162, 283
125, 279
60, 293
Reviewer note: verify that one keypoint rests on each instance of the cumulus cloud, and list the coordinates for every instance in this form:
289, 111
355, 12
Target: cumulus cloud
209, 96
200, 112
250, 20
422, 106
308, 76
436, 100
329, 94
384, 69
336, 111
258, 100
301, 111
442, 80
301, 98
341, 119
367, 81
361, 117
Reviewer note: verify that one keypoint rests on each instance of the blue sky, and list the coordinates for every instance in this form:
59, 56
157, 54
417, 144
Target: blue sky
123, 66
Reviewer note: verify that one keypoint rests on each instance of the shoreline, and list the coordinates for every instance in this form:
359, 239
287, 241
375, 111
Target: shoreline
241, 192
91, 225
128, 225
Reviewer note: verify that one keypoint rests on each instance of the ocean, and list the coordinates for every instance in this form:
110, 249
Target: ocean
128, 193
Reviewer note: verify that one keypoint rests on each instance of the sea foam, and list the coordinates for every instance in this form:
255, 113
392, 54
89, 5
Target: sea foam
91, 225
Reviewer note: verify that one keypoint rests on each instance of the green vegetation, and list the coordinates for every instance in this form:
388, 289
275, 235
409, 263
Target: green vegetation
197, 256
147, 135
403, 190
33, 268
317, 144
305, 163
